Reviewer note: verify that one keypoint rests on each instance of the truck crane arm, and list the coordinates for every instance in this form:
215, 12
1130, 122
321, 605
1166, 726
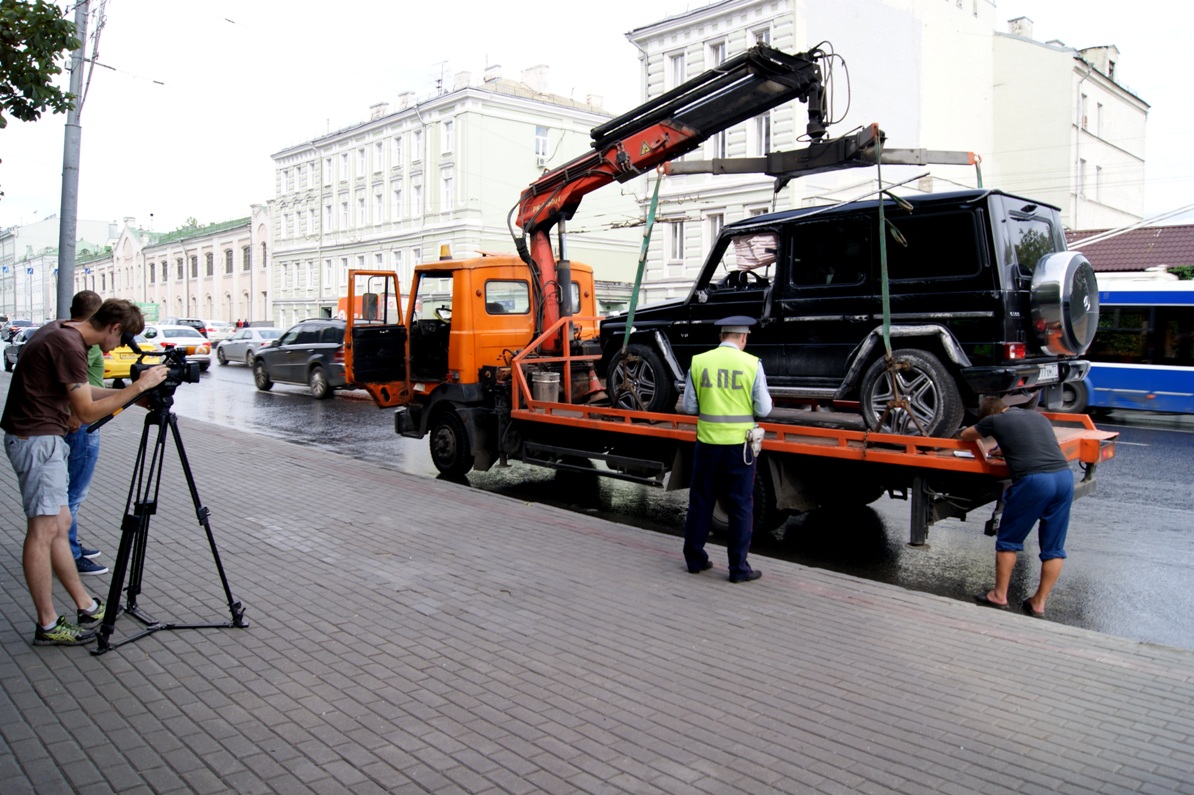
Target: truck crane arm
657, 131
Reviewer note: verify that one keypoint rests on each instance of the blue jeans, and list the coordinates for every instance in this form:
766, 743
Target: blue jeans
1044, 496
80, 466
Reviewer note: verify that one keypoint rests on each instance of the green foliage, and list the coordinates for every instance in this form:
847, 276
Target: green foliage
32, 37
1183, 272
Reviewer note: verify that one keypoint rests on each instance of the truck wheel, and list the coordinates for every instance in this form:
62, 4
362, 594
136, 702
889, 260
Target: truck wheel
449, 445
930, 390
646, 373
261, 376
317, 380
767, 517
1074, 397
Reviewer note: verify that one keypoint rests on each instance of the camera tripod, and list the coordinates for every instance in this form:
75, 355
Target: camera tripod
139, 509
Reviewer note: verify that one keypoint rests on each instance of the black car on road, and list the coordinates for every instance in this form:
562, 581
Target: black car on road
310, 352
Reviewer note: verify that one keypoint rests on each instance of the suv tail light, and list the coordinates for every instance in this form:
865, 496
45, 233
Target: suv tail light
338, 356
1013, 351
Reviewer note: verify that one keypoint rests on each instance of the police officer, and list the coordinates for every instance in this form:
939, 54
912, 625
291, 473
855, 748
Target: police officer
726, 389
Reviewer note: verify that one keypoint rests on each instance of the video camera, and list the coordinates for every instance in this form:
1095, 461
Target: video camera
178, 369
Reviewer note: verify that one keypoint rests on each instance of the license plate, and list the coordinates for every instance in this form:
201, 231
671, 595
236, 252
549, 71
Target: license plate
1047, 374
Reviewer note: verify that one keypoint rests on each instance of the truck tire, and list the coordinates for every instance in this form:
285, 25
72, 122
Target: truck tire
449, 445
1065, 303
647, 373
767, 516
929, 388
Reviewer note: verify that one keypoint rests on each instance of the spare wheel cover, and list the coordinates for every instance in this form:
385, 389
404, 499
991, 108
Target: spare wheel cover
1065, 303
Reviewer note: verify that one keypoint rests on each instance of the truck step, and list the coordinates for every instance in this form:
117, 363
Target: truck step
647, 472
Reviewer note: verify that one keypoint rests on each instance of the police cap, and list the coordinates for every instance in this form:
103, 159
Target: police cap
735, 324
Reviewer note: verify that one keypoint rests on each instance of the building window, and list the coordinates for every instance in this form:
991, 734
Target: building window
762, 134
713, 224
327, 216
311, 219
416, 255
1081, 177
416, 150
397, 258
1098, 119
246, 258
675, 250
165, 271
344, 214
152, 273
361, 220
716, 54
361, 161
181, 275
379, 207
397, 203
445, 190
1082, 110
447, 137
416, 200
194, 266
228, 260
1098, 179
327, 272
396, 149
302, 224
209, 262
379, 156
344, 270
343, 166
675, 70
761, 36
287, 182
327, 171
541, 144
302, 174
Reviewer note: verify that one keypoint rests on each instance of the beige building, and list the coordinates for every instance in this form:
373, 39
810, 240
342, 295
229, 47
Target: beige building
215, 272
446, 170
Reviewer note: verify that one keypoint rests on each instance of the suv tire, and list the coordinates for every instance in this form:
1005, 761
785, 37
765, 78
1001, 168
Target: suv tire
317, 380
220, 357
651, 380
261, 376
1074, 397
765, 516
1065, 303
929, 388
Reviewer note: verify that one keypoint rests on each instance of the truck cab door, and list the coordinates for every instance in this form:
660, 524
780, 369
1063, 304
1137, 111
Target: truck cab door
375, 337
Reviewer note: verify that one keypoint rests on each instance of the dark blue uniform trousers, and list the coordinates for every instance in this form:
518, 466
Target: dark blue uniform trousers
719, 472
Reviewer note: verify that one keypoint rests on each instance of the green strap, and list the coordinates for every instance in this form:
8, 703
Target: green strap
642, 264
886, 293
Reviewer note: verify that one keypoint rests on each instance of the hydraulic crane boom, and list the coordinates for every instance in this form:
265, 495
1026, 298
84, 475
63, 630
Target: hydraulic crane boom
660, 130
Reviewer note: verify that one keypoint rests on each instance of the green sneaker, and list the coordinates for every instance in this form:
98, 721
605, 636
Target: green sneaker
63, 634
92, 620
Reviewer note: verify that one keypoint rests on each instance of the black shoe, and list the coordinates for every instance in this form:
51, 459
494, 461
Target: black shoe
708, 564
747, 577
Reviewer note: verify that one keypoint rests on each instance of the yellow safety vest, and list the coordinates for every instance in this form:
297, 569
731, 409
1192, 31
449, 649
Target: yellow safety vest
724, 380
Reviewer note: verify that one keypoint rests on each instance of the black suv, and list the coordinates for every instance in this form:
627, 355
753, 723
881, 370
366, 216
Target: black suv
984, 299
310, 352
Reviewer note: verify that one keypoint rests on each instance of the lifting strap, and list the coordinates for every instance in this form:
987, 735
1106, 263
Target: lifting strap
642, 262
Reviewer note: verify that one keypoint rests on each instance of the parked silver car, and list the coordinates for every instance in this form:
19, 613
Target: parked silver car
241, 346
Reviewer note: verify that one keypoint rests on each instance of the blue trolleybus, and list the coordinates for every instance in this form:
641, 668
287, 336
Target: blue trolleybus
1143, 354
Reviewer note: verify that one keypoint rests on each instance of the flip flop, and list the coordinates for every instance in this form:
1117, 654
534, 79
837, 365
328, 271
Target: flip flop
985, 602
1026, 606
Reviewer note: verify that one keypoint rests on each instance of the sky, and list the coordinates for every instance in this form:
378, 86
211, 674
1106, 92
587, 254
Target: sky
192, 99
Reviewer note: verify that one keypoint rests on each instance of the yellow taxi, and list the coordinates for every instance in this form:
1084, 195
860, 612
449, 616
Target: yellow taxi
119, 361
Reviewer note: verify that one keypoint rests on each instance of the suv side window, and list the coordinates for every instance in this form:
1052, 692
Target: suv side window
934, 246
307, 335
332, 334
836, 252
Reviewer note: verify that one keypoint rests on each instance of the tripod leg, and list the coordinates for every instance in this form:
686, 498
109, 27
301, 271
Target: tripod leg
133, 529
201, 512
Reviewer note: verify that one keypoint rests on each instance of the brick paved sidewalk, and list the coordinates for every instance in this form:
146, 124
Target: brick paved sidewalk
414, 635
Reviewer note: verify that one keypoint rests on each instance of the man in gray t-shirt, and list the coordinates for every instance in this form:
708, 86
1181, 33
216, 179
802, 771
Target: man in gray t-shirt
1042, 489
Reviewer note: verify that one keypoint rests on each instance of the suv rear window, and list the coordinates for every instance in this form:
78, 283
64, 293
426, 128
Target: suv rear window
1033, 239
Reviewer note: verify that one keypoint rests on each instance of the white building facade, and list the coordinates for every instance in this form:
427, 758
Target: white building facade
933, 75
389, 193
29, 265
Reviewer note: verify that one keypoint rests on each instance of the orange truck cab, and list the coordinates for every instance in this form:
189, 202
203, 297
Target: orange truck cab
447, 358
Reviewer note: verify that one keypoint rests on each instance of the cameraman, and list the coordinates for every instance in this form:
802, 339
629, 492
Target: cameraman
48, 387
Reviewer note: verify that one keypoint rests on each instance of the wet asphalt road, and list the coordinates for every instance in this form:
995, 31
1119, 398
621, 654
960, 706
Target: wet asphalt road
1130, 572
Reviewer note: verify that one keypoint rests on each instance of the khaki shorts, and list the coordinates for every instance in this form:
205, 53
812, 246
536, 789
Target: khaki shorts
40, 464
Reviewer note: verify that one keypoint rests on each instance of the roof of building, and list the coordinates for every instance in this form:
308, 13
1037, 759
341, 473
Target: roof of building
1139, 249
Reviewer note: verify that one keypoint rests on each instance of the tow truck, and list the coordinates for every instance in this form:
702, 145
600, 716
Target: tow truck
494, 358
